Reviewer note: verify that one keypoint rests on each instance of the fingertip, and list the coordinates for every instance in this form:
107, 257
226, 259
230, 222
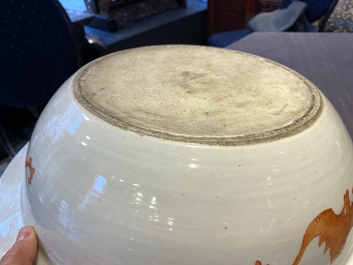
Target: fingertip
24, 233
24, 251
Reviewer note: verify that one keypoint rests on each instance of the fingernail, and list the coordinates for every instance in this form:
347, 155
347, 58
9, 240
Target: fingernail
24, 233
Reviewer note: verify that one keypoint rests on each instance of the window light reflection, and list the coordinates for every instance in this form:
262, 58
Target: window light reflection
194, 163
72, 127
170, 222
99, 183
10, 224
153, 203
191, 165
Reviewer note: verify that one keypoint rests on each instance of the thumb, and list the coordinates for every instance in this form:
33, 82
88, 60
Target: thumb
24, 251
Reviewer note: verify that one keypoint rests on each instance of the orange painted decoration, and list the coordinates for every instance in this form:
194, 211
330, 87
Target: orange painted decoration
31, 170
258, 263
332, 229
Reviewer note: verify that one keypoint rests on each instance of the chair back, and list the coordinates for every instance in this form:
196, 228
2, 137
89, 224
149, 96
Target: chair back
316, 9
38, 51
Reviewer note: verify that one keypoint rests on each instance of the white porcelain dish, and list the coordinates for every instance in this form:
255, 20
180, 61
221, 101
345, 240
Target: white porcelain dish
10, 201
14, 206
186, 155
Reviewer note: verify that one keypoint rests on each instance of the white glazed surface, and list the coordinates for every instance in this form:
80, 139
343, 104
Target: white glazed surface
14, 206
150, 201
104, 195
10, 207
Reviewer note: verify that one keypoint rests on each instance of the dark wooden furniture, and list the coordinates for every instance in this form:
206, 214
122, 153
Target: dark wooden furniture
178, 26
226, 15
111, 15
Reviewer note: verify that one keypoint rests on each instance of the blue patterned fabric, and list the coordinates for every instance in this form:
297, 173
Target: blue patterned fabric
341, 19
38, 51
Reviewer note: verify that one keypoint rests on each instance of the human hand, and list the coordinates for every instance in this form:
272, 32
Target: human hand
24, 251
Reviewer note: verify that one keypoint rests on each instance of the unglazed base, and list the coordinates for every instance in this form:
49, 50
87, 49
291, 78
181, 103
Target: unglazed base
198, 95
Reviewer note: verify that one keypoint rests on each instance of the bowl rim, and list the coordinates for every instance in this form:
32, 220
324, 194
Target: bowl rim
12, 180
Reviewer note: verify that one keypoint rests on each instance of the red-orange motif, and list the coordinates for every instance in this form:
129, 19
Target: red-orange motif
258, 263
332, 229
31, 170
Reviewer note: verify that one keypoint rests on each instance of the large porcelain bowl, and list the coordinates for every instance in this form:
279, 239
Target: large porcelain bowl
185, 155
